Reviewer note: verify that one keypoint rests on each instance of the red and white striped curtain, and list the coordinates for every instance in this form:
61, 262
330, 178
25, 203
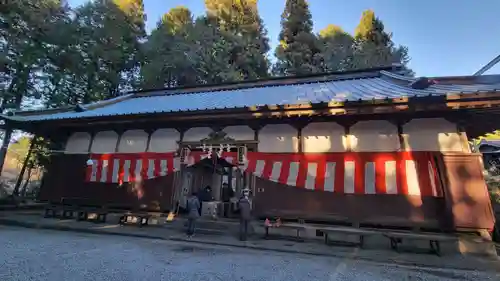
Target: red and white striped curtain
403, 173
130, 167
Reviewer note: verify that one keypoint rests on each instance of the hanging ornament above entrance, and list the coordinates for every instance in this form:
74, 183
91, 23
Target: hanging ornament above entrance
210, 150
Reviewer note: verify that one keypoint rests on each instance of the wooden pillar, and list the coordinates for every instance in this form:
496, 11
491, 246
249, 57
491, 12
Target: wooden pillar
148, 141
299, 125
92, 135
399, 123
347, 124
463, 137
119, 139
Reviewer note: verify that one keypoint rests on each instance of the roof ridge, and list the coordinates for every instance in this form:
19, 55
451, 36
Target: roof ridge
305, 76
269, 82
290, 81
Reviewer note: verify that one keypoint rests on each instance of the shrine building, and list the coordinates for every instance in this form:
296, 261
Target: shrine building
365, 147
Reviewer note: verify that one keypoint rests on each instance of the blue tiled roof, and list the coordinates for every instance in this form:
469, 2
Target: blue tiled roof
381, 86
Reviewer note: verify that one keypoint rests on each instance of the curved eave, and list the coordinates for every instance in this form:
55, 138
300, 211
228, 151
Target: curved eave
66, 109
457, 101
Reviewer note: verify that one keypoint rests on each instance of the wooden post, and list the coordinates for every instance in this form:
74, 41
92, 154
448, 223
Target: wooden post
399, 123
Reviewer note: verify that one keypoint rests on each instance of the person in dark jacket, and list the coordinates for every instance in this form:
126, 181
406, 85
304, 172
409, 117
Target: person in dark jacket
245, 207
205, 196
193, 206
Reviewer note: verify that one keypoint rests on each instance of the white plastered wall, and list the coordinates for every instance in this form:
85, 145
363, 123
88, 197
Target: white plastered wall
78, 143
240, 132
104, 142
432, 134
278, 138
164, 140
374, 136
196, 134
133, 141
323, 137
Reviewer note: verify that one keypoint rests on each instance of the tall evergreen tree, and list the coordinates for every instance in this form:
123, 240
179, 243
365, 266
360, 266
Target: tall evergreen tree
241, 19
105, 44
298, 49
371, 29
165, 52
374, 46
212, 52
336, 48
27, 33
177, 19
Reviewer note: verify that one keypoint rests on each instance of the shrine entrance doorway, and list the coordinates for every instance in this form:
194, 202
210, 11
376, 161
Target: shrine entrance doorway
225, 180
210, 172
214, 162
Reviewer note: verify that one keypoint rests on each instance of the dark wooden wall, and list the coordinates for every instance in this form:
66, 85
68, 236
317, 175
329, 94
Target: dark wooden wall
66, 178
275, 199
465, 204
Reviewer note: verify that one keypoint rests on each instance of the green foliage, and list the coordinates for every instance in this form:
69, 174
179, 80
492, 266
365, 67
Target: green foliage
371, 29
176, 19
39, 156
57, 56
211, 53
100, 53
100, 49
493, 183
374, 46
331, 30
336, 48
495, 135
228, 44
240, 20
28, 29
299, 51
165, 62
370, 47
19, 149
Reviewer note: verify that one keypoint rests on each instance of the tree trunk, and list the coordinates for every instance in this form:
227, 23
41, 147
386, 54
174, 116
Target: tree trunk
25, 185
5, 146
22, 76
23, 169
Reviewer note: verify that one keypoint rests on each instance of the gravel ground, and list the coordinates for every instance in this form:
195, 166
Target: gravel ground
29, 254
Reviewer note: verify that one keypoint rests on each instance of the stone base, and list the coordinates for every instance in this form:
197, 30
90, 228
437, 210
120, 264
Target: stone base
477, 246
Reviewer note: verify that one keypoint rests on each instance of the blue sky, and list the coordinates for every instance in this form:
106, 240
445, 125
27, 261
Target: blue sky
444, 37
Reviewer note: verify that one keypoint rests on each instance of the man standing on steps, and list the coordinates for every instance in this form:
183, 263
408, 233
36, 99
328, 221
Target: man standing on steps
193, 206
245, 207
